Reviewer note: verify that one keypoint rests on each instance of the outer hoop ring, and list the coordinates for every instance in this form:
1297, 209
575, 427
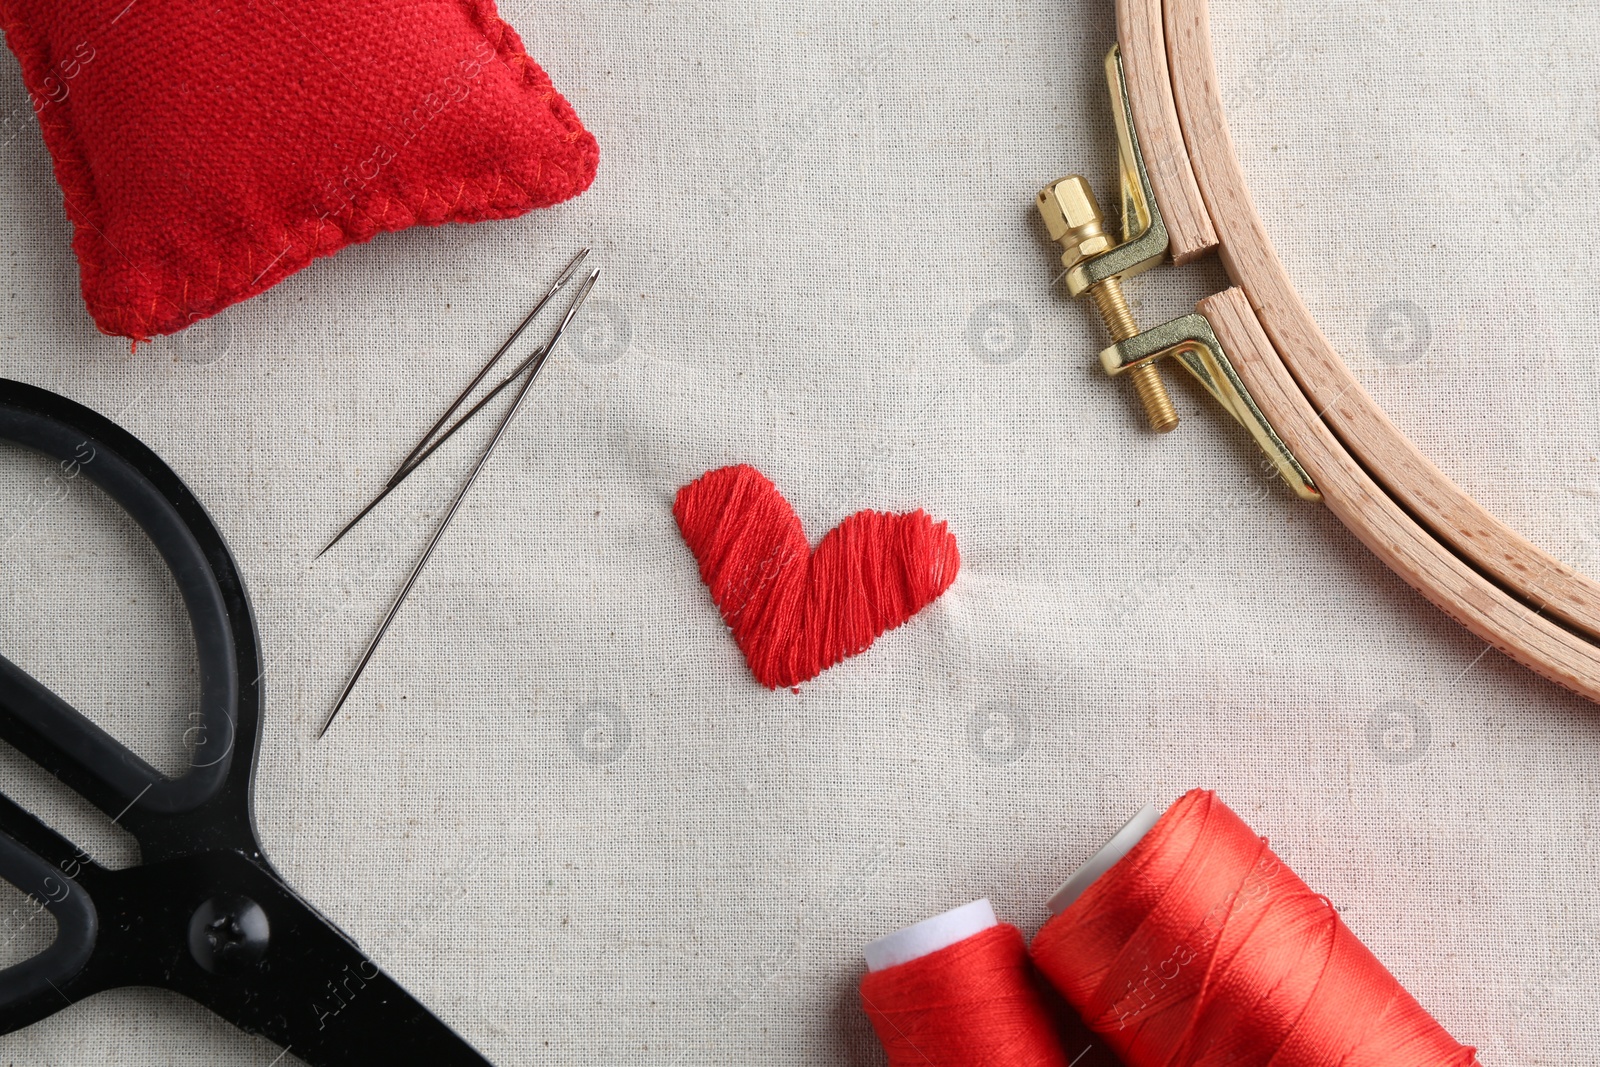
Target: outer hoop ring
1478, 570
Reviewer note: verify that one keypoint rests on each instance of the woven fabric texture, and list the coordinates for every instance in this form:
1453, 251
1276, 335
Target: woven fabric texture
560, 810
207, 153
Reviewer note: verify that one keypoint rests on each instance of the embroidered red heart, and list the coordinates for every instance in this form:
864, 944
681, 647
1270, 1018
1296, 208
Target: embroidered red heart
795, 612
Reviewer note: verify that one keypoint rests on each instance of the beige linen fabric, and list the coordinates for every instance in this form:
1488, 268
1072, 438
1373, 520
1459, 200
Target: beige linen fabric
560, 811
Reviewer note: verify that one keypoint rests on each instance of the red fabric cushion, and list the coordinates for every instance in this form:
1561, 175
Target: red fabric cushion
209, 150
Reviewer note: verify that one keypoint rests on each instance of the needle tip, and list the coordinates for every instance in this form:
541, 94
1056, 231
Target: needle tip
349, 686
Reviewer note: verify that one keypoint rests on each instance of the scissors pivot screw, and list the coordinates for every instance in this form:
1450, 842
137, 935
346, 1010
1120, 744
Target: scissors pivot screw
228, 935
255, 952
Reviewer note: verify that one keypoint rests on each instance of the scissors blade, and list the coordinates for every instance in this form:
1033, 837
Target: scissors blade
311, 989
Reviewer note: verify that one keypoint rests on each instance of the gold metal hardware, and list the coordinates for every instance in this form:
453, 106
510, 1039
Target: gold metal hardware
1096, 266
1073, 217
1194, 344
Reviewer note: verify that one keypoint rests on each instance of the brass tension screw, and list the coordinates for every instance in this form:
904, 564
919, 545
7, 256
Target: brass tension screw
1075, 222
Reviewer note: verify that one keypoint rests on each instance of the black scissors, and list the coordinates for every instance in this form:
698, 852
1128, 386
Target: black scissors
204, 914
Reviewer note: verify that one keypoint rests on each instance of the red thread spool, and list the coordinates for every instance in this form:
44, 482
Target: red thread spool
1201, 947
958, 991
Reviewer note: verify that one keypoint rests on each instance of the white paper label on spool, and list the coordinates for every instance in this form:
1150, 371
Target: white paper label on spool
929, 936
1120, 845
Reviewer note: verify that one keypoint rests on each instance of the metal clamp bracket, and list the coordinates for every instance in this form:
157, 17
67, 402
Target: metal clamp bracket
1096, 266
1193, 343
1145, 241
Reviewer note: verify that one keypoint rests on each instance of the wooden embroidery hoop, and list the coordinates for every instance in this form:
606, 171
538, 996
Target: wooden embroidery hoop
1531, 606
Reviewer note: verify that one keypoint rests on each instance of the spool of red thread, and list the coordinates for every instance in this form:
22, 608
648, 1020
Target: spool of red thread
958, 991
1187, 942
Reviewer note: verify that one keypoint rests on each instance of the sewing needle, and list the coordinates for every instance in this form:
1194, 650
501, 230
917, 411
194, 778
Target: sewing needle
566, 275
427, 553
536, 361
422, 449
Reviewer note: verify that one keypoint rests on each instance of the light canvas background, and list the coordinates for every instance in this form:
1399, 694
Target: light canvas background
560, 811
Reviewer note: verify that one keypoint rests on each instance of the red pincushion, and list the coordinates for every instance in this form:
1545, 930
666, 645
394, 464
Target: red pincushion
208, 151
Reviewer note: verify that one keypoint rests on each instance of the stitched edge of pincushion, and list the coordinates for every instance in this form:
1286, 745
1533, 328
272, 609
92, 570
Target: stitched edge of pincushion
167, 304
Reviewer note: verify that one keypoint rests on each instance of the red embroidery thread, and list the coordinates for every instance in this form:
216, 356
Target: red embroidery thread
972, 1003
795, 612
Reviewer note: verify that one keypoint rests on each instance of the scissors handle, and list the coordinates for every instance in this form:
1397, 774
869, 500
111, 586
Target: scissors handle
255, 953
51, 732
29, 990
204, 914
